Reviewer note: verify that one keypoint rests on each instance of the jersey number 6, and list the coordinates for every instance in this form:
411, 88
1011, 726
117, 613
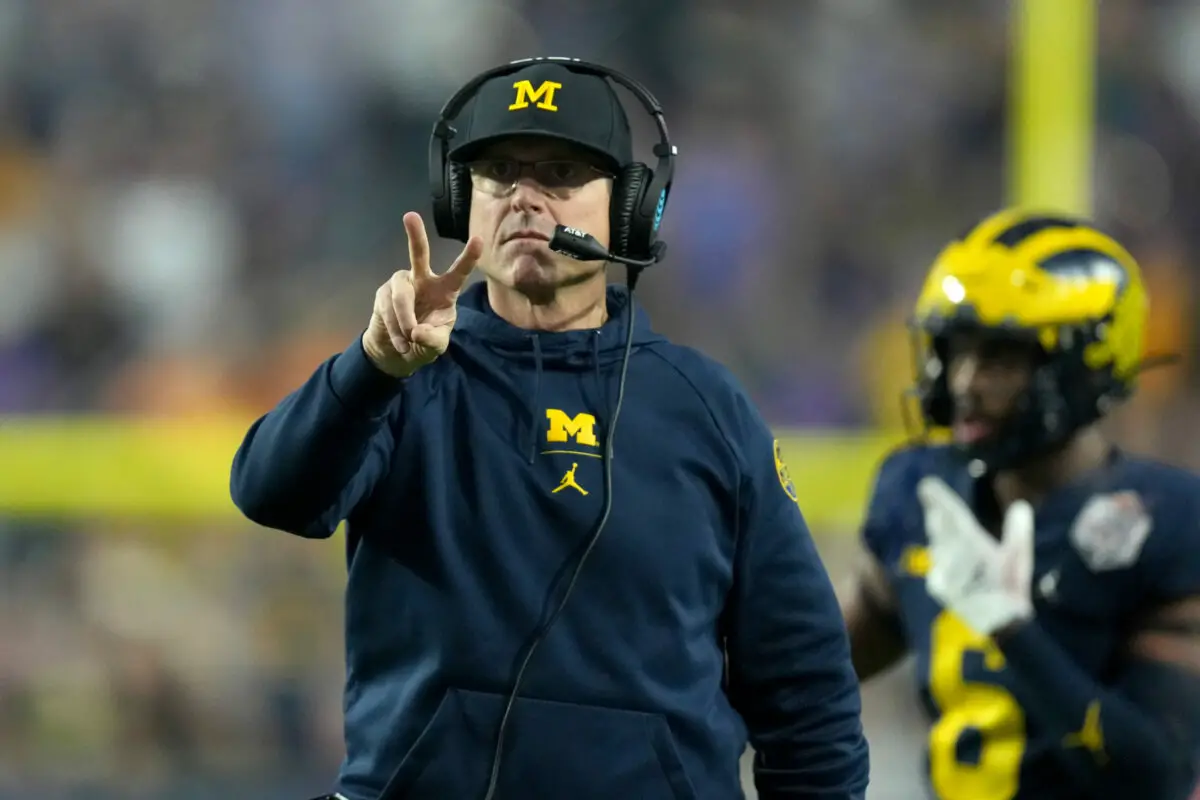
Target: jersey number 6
989, 710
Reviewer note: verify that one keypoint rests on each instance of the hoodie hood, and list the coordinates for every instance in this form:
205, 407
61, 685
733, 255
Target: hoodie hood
597, 351
558, 350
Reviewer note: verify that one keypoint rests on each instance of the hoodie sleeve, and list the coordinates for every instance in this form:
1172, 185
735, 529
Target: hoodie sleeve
790, 674
307, 463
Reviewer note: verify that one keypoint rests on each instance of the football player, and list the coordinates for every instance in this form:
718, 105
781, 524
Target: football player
1047, 582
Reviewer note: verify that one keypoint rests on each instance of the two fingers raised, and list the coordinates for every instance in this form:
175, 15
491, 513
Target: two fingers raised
453, 279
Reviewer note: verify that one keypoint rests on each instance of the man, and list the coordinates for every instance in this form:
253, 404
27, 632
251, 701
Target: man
533, 611
1048, 583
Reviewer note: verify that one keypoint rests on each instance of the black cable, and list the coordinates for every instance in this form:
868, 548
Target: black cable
540, 634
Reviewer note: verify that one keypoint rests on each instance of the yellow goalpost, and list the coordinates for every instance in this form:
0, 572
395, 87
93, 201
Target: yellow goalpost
1052, 104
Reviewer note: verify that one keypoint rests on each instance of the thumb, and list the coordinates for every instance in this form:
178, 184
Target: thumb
1016, 539
429, 336
1018, 526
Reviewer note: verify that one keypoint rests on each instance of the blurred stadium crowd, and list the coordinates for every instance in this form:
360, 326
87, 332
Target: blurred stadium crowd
198, 198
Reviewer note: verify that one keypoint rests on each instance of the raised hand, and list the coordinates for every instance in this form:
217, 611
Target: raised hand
415, 310
984, 580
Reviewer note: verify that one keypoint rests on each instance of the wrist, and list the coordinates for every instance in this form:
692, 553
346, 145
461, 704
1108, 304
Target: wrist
388, 364
1006, 632
359, 385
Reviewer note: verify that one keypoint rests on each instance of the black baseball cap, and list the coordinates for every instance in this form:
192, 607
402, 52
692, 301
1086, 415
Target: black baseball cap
546, 99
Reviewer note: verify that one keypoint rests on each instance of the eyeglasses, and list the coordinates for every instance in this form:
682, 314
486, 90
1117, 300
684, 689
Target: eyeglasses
499, 176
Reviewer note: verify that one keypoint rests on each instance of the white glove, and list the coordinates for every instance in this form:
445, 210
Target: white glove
985, 582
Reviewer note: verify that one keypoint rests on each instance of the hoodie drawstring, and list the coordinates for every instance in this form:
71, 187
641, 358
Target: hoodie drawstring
534, 422
601, 389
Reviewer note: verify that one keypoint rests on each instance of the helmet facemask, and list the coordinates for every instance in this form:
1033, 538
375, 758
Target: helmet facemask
1064, 394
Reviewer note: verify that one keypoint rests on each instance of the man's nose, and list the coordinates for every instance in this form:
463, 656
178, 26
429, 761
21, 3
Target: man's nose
528, 196
965, 376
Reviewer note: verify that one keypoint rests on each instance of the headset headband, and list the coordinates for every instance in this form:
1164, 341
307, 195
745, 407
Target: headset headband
444, 131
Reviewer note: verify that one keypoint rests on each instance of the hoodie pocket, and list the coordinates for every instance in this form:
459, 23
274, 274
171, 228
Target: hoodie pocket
552, 750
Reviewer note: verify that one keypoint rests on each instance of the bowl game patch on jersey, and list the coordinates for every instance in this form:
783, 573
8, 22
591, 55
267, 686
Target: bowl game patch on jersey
1110, 530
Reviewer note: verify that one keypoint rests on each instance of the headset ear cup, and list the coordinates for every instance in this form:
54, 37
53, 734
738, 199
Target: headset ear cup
630, 238
458, 195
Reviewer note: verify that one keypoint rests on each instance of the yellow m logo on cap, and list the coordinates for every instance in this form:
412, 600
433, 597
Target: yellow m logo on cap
542, 96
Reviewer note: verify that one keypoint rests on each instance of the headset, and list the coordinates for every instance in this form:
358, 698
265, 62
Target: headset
639, 195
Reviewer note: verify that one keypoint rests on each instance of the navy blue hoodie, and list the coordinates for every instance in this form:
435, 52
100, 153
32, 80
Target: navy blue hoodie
468, 491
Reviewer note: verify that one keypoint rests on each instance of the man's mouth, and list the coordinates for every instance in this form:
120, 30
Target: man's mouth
970, 430
526, 236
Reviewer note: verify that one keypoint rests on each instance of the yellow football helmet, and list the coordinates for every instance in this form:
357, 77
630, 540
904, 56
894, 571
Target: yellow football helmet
1047, 277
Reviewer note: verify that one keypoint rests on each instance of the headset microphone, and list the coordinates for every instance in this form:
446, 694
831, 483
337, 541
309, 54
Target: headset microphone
583, 246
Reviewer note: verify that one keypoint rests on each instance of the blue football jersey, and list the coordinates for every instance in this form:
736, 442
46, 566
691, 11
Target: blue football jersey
1107, 547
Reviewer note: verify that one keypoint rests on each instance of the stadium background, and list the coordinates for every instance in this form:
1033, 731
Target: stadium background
198, 198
